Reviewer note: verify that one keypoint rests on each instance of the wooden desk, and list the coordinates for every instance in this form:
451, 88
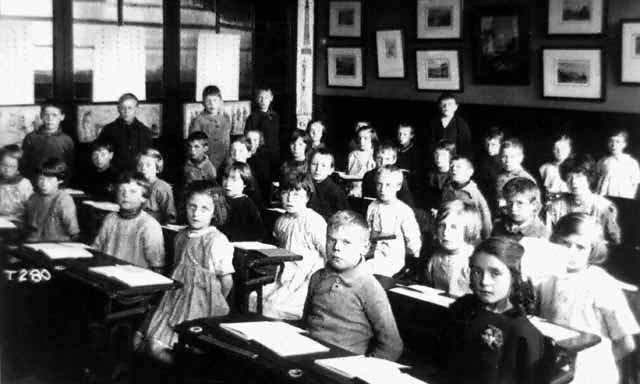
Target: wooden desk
252, 359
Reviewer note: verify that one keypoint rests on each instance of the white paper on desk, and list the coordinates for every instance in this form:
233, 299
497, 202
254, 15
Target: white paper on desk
370, 369
251, 245
251, 330
289, 343
132, 275
174, 227
6, 223
74, 192
57, 251
554, 331
103, 205
427, 294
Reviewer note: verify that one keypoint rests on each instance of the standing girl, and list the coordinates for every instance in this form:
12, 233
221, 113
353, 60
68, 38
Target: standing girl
550, 172
204, 264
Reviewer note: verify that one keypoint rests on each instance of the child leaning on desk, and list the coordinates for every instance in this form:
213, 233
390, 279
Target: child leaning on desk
204, 265
345, 304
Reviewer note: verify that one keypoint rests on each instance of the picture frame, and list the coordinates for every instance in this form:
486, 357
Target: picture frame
573, 73
91, 118
345, 18
236, 111
439, 19
345, 67
576, 17
501, 49
390, 54
439, 70
16, 121
630, 52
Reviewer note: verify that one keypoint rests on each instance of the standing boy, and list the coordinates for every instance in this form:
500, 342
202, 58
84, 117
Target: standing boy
449, 126
267, 121
215, 124
328, 198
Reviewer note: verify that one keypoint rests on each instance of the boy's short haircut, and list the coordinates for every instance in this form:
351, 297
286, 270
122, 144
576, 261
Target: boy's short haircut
53, 167
323, 152
264, 88
242, 140
211, 90
619, 132
154, 154
297, 181
259, 132
128, 177
463, 159
406, 125
316, 121
198, 136
494, 132
581, 164
53, 104
469, 215
12, 150
348, 218
525, 186
128, 96
446, 145
374, 134
297, 134
391, 169
244, 170
99, 144
362, 123
512, 142
388, 146
447, 96
210, 188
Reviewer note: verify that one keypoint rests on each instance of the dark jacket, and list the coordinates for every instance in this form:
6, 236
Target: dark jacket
127, 141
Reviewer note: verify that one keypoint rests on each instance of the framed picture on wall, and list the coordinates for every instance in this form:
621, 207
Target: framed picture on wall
439, 19
573, 73
16, 121
438, 70
345, 19
576, 17
390, 54
501, 46
345, 67
630, 52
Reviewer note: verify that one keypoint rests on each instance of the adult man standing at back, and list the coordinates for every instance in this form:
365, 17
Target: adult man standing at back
127, 135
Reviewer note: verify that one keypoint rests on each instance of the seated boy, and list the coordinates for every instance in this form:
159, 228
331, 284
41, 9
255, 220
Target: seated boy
15, 190
409, 158
51, 212
100, 181
328, 198
387, 155
521, 215
461, 187
131, 234
438, 175
198, 166
489, 164
511, 155
390, 216
345, 304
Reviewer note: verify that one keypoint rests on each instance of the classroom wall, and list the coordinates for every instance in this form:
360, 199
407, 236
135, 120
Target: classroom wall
380, 14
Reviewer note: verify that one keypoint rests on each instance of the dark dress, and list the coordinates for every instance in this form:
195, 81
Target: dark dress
433, 187
127, 141
457, 132
269, 124
328, 198
261, 169
483, 347
244, 222
409, 158
101, 186
369, 189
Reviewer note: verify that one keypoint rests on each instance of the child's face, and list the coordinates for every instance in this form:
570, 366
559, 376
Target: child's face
405, 135
239, 152
385, 158
148, 167
617, 144
521, 208
365, 141
580, 246
346, 246
52, 117
127, 110
321, 167
461, 172
196, 149
490, 278
442, 160
387, 186
511, 159
451, 233
130, 196
294, 200
448, 107
578, 184
101, 158
492, 146
212, 104
316, 131
561, 150
264, 100
48, 184
254, 140
298, 149
200, 210
233, 184
8, 167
